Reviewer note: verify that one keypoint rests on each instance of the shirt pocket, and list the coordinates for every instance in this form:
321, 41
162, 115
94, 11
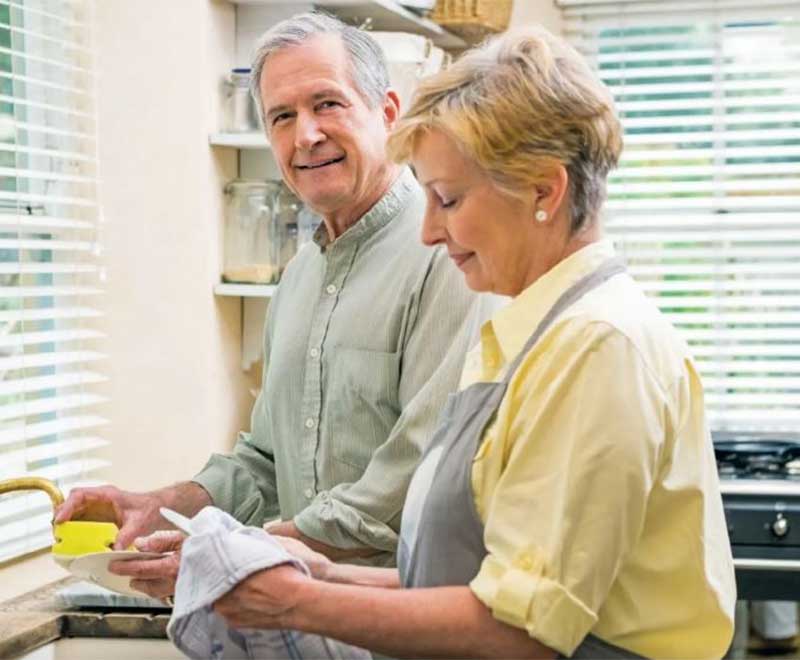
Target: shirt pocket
362, 403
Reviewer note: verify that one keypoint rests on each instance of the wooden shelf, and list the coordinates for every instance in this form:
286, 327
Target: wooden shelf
382, 15
239, 140
245, 290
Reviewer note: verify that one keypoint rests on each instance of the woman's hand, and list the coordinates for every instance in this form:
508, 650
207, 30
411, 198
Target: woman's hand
154, 577
317, 563
264, 600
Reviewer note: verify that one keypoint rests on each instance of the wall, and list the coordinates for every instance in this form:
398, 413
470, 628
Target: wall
177, 392
544, 12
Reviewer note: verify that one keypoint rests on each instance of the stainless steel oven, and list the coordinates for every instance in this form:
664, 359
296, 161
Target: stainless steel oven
760, 483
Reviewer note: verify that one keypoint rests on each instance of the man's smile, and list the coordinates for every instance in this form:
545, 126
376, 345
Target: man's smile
321, 163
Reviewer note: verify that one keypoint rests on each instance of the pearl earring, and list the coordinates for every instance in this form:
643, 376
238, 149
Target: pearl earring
541, 215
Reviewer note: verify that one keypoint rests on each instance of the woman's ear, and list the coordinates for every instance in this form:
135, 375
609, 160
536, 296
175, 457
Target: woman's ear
551, 194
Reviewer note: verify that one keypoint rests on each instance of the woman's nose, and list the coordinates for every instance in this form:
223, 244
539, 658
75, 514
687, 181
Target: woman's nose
433, 231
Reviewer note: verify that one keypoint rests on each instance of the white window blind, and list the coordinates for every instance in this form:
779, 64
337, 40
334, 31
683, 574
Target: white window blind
706, 203
51, 356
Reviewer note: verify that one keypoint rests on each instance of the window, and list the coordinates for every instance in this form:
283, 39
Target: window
706, 203
49, 261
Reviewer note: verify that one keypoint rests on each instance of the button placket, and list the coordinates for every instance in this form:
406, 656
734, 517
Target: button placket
338, 263
311, 405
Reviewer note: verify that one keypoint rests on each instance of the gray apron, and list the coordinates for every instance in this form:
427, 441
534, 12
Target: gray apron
441, 538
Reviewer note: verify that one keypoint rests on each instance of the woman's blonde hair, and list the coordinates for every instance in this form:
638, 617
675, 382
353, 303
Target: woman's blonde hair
518, 105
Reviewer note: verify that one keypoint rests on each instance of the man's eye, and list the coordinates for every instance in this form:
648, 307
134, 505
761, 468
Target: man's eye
279, 118
447, 203
328, 104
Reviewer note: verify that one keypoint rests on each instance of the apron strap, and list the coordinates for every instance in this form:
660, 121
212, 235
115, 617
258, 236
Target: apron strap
605, 272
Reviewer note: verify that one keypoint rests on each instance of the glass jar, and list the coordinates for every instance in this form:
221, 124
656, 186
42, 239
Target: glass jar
241, 115
252, 240
260, 231
288, 208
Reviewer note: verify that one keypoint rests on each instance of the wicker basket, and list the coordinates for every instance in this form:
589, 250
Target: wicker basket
473, 19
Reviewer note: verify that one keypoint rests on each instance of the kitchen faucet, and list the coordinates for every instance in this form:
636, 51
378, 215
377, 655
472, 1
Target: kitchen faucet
34, 483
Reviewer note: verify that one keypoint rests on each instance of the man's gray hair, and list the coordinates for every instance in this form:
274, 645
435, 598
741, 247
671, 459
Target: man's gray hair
368, 69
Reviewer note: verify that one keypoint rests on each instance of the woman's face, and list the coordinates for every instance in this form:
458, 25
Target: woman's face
490, 236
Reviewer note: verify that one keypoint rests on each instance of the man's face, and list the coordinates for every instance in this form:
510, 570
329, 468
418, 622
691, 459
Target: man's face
328, 142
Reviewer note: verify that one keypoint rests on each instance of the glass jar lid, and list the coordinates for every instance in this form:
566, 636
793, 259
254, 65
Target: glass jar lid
240, 77
250, 187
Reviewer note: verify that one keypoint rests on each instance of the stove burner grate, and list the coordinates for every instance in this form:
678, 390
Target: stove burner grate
757, 458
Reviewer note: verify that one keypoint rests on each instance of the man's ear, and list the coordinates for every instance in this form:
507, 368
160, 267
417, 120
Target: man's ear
391, 108
551, 194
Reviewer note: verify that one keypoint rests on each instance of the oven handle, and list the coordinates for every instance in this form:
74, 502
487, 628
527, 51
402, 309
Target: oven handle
766, 564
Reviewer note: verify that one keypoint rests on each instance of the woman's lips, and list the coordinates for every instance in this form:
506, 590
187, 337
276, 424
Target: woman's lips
459, 259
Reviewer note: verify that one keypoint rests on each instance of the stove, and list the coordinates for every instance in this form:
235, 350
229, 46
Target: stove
760, 484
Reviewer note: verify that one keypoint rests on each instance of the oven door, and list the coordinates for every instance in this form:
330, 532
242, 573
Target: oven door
767, 573
764, 528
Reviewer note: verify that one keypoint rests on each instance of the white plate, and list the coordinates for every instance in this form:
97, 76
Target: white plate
94, 567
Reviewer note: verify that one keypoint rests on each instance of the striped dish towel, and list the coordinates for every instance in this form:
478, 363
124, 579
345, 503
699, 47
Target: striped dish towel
220, 553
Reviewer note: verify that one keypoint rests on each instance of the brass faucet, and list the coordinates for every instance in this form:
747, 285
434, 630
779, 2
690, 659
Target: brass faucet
34, 483
71, 537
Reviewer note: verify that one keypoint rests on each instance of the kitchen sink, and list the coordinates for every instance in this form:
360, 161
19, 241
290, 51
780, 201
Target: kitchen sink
84, 648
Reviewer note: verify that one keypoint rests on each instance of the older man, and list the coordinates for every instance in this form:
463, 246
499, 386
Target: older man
364, 338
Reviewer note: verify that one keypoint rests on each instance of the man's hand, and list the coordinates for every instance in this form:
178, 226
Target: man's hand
263, 600
136, 514
154, 577
287, 528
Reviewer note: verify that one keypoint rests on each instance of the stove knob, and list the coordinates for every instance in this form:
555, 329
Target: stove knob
780, 527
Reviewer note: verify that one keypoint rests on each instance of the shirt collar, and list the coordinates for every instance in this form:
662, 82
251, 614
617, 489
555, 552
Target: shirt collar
385, 209
513, 325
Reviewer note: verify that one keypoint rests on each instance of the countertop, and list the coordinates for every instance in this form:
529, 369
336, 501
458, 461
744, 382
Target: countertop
34, 619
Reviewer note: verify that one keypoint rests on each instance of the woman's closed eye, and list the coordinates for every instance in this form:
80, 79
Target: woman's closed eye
445, 202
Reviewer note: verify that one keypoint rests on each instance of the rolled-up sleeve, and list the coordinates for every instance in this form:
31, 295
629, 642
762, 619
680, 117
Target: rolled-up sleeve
367, 512
581, 454
242, 483
525, 598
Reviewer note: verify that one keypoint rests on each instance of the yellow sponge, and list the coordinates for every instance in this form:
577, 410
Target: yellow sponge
79, 537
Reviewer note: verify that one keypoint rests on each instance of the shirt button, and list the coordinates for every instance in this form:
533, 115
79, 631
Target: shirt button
330, 289
310, 423
314, 352
525, 562
308, 493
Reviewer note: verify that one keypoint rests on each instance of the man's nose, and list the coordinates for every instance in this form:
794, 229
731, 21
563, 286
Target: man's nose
307, 132
433, 231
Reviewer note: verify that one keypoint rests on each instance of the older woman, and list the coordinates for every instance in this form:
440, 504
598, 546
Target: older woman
569, 502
